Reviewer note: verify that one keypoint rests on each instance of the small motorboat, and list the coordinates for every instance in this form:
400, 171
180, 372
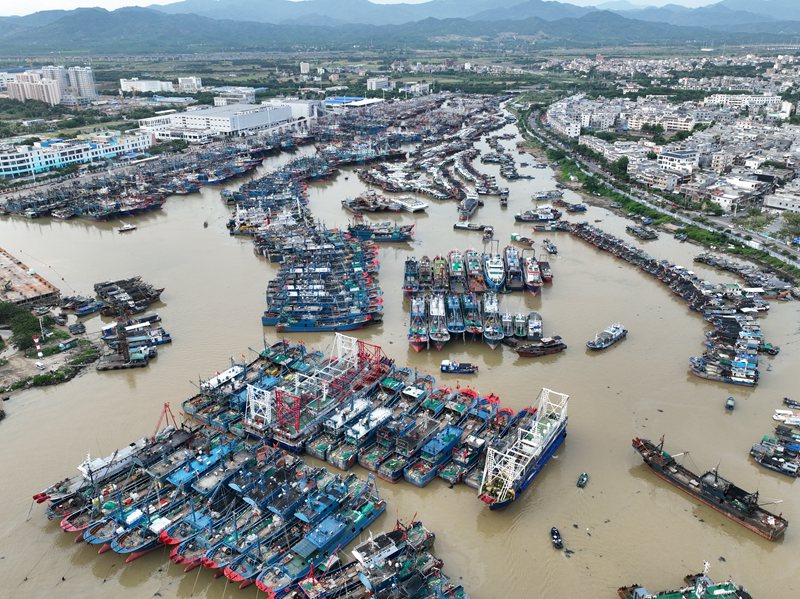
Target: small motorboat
205, 224
555, 538
126, 227
550, 247
458, 367
730, 404
582, 480
488, 233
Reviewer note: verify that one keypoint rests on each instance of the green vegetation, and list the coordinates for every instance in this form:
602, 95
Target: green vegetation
755, 221
176, 145
791, 226
24, 325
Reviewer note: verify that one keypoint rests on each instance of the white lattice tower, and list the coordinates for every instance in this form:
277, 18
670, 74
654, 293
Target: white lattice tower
260, 406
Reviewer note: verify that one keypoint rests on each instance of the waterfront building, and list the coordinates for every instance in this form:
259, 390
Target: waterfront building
236, 119
43, 156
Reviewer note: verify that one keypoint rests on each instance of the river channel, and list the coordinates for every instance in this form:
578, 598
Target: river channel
626, 526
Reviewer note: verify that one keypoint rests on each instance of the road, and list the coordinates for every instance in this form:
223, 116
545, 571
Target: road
592, 169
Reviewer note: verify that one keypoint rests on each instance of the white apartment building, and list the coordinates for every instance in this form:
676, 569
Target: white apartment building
31, 86
189, 84
305, 68
145, 86
81, 82
683, 162
235, 95
737, 101
379, 84
19, 161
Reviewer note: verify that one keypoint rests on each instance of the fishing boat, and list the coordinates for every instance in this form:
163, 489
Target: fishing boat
514, 276
434, 454
410, 203
473, 321
425, 274
550, 247
418, 337
455, 318
532, 275
468, 226
494, 272
451, 367
408, 446
359, 436
535, 326
334, 532
441, 281
712, 490
411, 276
385, 232
437, 323
492, 326
542, 214
507, 324
542, 347
457, 272
475, 279
511, 468
520, 326
126, 227
697, 586
546, 271
608, 337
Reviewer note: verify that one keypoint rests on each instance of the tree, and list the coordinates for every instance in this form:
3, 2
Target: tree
619, 168
652, 156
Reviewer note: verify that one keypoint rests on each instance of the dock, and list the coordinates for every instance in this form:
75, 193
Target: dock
20, 285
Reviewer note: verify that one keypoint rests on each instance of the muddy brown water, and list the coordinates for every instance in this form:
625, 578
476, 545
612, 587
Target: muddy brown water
626, 526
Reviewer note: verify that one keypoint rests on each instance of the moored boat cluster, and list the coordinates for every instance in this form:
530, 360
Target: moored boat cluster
458, 296
734, 344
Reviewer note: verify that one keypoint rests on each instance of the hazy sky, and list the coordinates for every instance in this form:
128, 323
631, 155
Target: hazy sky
9, 7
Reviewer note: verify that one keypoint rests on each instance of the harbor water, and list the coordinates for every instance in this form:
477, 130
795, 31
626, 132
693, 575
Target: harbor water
626, 526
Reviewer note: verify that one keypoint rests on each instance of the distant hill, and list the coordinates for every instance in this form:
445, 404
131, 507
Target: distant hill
549, 11
714, 16
143, 30
769, 10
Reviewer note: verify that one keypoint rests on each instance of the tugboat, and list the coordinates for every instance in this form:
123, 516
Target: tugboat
555, 538
607, 338
713, 490
458, 367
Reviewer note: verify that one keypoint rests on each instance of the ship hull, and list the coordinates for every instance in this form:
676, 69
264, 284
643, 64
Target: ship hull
536, 467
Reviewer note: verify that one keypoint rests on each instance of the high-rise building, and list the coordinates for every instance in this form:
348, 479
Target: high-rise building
305, 68
31, 86
81, 82
58, 74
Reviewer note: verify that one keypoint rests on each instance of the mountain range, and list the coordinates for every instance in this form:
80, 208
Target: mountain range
191, 26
